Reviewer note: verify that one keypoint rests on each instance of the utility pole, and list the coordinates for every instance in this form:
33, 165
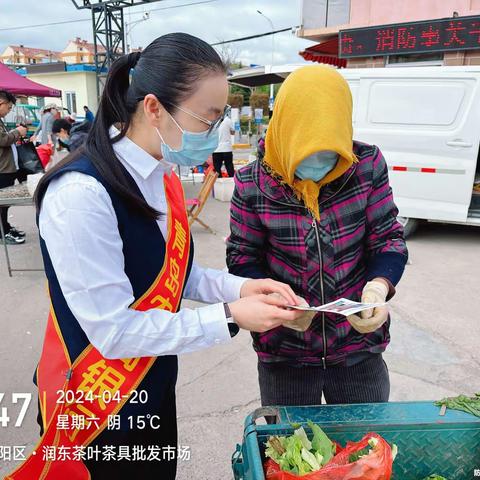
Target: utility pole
108, 32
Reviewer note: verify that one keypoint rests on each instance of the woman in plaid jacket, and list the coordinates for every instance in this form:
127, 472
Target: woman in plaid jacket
318, 213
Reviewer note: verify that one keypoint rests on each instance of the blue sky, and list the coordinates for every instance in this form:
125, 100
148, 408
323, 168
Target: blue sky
213, 21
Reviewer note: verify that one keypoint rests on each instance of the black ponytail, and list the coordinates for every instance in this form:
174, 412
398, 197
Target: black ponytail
169, 68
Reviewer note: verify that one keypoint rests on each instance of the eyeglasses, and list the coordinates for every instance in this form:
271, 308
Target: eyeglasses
213, 125
10, 105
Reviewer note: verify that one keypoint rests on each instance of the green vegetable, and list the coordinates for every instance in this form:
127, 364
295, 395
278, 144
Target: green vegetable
435, 477
300, 433
299, 455
321, 443
293, 455
394, 452
319, 458
311, 459
275, 447
462, 403
373, 442
353, 457
287, 452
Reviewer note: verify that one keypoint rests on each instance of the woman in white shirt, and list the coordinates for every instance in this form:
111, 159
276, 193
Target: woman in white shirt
118, 258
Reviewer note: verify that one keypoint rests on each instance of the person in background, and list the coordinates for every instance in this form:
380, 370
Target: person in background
71, 136
224, 153
45, 127
71, 118
89, 116
318, 214
8, 164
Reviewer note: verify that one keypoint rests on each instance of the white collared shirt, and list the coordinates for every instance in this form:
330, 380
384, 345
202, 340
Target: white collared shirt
79, 226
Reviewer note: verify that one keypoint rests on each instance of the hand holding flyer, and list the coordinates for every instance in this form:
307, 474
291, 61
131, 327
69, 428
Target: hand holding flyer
342, 306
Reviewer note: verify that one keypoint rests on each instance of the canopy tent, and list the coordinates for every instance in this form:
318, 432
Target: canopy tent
18, 85
262, 75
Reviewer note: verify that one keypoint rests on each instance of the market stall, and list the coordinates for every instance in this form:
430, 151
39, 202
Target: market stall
376, 441
18, 195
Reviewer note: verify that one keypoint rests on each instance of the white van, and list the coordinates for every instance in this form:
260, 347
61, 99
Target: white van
426, 121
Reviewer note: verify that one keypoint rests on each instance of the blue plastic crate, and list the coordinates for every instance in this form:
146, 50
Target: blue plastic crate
428, 442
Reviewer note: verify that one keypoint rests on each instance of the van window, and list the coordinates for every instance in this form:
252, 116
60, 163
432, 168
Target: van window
417, 103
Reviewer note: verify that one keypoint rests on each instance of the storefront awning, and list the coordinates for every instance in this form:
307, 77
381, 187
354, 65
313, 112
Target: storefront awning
325, 52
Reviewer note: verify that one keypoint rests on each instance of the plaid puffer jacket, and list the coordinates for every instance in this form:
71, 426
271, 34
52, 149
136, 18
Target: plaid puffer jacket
357, 239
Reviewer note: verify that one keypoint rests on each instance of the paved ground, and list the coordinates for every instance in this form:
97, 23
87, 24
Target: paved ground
434, 350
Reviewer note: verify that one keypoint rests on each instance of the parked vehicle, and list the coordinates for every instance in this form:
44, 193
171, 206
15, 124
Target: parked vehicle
426, 122
29, 115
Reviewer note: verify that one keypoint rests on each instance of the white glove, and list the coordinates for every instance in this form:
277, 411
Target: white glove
371, 320
302, 323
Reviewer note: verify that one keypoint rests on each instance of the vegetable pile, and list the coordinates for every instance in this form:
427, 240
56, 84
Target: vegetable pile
434, 477
297, 456
462, 403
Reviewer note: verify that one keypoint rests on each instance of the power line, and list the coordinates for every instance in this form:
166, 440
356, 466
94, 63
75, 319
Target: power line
22, 27
242, 39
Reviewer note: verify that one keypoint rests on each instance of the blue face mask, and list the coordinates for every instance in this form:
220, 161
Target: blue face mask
317, 166
195, 149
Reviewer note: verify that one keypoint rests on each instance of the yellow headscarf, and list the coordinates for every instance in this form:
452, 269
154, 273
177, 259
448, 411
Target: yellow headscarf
313, 112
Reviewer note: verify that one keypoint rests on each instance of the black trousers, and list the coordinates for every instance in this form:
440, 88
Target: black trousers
159, 439
6, 180
226, 158
166, 436
364, 382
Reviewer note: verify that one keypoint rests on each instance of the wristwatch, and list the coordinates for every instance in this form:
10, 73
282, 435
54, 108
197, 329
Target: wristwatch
232, 326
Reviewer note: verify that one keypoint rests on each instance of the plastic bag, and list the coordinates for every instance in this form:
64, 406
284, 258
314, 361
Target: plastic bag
45, 152
376, 466
28, 159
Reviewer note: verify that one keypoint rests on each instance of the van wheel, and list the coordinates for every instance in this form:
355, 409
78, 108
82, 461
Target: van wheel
409, 225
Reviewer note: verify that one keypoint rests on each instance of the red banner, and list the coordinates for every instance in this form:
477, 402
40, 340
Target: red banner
100, 386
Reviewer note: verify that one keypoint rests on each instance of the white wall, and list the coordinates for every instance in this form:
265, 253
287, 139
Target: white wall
82, 83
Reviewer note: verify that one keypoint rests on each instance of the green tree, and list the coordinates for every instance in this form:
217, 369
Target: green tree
259, 100
245, 92
236, 100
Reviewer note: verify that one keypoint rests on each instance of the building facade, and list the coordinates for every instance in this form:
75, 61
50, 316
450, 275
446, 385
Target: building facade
377, 33
72, 71
77, 51
21, 55
77, 83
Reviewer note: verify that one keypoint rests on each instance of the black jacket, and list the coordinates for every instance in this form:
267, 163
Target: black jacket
78, 135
